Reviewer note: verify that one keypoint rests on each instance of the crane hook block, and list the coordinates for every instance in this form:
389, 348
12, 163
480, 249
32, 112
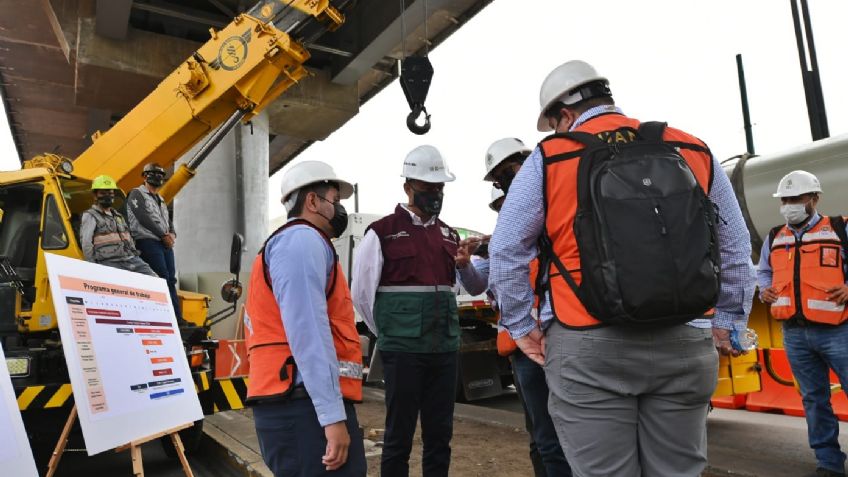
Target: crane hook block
416, 73
412, 118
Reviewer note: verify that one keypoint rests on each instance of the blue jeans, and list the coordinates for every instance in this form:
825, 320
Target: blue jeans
292, 440
813, 350
161, 260
534, 391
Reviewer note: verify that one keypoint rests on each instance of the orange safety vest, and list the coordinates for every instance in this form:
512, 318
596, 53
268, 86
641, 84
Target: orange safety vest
561, 157
804, 270
506, 345
272, 366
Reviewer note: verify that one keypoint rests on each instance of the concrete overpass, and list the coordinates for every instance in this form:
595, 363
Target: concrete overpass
69, 68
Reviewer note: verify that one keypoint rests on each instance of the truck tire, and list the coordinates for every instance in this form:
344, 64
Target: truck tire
191, 437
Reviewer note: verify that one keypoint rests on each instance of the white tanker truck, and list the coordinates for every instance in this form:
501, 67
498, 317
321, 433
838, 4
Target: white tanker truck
754, 180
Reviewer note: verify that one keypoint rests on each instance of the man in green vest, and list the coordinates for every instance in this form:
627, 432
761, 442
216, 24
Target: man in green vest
104, 234
403, 279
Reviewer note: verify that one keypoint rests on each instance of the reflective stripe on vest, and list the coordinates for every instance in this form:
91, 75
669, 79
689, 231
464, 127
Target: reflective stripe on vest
414, 288
561, 157
272, 366
804, 270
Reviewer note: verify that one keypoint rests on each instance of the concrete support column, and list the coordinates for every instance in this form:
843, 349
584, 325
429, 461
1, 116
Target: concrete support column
229, 194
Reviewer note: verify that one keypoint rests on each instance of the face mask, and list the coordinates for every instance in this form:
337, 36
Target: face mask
339, 220
794, 213
430, 202
156, 180
105, 201
505, 180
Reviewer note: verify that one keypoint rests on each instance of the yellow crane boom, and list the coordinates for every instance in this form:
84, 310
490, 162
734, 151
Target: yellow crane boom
234, 75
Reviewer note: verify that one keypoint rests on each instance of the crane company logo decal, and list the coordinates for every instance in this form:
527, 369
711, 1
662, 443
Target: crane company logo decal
233, 52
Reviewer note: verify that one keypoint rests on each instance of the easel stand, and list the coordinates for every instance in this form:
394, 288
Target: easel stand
134, 447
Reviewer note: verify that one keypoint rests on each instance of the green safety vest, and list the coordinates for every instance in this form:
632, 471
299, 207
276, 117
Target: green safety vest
416, 319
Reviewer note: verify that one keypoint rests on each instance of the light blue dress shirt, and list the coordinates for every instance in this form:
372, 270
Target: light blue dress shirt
475, 276
522, 219
300, 263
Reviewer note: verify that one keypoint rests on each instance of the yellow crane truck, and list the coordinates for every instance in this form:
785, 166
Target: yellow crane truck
233, 76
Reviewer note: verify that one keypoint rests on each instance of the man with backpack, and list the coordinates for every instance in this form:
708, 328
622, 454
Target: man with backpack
637, 294
802, 276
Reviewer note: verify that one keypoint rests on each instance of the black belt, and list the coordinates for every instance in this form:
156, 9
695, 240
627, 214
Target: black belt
803, 323
298, 392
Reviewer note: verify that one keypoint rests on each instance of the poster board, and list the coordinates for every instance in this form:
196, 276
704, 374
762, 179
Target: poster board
15, 454
125, 357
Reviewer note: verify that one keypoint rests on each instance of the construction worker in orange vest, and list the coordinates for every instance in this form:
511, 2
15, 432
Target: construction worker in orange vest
303, 346
626, 400
802, 276
503, 160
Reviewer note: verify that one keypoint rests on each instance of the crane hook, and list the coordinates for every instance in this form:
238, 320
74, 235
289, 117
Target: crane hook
412, 120
416, 74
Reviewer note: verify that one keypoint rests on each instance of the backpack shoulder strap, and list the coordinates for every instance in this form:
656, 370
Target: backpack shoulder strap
584, 138
838, 224
652, 131
772, 234
546, 257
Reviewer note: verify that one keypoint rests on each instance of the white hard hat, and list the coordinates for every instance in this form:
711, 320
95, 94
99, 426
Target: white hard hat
796, 183
310, 172
425, 163
496, 194
562, 80
501, 150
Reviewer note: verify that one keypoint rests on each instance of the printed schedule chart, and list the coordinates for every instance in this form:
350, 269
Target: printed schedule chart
125, 355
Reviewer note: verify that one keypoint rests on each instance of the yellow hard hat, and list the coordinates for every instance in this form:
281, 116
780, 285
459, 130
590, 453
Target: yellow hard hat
104, 182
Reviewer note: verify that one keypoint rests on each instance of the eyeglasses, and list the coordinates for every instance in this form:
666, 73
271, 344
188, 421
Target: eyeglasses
428, 187
337, 202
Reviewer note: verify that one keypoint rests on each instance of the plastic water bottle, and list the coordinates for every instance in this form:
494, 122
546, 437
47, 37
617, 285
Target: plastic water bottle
747, 340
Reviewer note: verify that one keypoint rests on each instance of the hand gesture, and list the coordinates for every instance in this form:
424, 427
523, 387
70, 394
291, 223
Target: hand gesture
463, 252
533, 346
721, 340
169, 240
769, 295
838, 294
338, 441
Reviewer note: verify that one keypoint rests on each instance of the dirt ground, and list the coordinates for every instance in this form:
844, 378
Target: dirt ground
477, 449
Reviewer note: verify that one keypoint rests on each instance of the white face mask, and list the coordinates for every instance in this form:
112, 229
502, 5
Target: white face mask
794, 213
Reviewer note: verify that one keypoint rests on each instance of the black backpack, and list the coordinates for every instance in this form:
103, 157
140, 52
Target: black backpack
645, 230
